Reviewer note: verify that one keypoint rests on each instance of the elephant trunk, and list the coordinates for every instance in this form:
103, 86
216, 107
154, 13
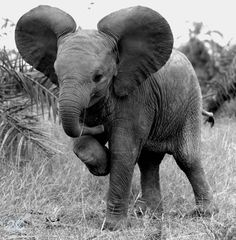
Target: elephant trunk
72, 101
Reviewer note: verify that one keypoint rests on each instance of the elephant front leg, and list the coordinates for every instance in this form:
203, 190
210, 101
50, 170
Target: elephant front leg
94, 155
124, 153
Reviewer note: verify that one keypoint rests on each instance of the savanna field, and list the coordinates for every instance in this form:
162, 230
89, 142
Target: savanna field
57, 197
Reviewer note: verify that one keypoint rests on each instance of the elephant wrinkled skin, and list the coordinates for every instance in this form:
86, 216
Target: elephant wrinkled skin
125, 85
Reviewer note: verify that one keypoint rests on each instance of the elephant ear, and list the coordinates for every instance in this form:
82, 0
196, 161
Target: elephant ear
144, 41
36, 36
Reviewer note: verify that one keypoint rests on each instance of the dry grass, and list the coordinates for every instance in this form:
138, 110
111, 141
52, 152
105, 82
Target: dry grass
58, 198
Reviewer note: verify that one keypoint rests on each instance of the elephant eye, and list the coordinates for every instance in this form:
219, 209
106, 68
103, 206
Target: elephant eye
97, 78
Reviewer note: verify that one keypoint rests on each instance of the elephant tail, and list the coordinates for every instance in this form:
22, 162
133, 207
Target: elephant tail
210, 117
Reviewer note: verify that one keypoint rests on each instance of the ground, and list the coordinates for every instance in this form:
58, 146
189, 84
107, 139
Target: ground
57, 198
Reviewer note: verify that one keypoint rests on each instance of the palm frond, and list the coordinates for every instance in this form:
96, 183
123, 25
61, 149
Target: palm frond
23, 134
22, 80
25, 96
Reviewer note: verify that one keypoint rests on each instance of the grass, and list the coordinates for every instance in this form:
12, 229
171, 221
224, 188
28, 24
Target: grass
57, 198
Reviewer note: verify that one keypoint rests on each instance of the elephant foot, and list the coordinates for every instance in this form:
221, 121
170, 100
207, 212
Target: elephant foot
114, 225
92, 154
141, 208
201, 211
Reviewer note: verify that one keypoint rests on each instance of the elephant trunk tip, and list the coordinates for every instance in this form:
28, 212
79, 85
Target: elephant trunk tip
73, 133
93, 130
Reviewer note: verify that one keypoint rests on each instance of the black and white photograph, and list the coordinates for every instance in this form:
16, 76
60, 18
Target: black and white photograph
118, 120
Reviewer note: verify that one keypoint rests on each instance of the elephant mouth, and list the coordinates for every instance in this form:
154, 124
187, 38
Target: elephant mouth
96, 97
88, 123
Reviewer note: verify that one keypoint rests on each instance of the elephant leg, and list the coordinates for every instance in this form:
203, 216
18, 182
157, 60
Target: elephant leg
124, 151
93, 154
150, 183
189, 160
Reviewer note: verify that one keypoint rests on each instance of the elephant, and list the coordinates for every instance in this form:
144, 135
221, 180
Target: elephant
127, 97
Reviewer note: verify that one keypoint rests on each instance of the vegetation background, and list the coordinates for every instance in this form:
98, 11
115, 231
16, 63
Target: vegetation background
47, 193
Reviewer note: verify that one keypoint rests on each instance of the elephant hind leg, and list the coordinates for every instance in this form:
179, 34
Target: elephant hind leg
151, 193
188, 158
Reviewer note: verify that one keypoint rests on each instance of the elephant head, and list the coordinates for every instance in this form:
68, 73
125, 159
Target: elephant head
128, 46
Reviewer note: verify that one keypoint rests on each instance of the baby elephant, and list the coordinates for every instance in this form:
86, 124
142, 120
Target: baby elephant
122, 84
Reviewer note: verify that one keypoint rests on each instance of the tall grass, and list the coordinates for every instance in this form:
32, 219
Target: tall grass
57, 197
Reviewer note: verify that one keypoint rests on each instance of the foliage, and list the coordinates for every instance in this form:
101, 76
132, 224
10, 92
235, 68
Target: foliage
224, 81
215, 66
24, 94
203, 54
7, 24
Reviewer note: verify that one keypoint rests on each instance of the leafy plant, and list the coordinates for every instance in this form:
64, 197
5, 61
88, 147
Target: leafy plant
25, 96
215, 65
224, 81
203, 52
